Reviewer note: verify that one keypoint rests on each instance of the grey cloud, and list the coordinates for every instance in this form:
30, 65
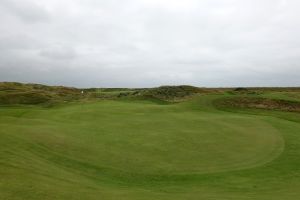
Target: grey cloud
59, 52
143, 43
27, 10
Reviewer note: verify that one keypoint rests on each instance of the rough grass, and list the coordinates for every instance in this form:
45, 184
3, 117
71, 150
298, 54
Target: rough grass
24, 98
17, 93
172, 93
32, 94
261, 103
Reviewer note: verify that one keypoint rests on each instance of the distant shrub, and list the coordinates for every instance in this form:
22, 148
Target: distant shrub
241, 89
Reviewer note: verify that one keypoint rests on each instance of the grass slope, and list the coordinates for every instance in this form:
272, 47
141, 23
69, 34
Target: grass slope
31, 94
140, 149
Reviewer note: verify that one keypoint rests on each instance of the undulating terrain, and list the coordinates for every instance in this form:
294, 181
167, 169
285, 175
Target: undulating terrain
170, 143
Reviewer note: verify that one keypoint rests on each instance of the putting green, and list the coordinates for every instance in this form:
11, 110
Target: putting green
133, 144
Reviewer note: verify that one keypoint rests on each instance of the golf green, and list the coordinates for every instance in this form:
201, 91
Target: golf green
146, 150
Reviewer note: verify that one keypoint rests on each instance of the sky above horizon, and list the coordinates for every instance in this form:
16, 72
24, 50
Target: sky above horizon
147, 43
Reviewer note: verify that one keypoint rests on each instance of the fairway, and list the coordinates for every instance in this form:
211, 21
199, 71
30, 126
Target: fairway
139, 149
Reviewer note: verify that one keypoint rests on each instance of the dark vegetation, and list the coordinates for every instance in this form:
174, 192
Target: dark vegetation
163, 93
172, 93
283, 99
260, 103
17, 93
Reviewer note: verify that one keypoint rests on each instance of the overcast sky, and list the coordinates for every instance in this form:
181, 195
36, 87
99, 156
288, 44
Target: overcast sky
145, 43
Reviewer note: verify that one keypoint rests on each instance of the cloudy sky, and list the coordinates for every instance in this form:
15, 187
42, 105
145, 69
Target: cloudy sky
145, 43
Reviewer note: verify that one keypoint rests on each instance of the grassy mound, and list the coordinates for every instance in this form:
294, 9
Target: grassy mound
24, 98
261, 103
17, 93
172, 93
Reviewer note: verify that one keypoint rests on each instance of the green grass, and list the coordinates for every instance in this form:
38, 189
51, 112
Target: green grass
138, 149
